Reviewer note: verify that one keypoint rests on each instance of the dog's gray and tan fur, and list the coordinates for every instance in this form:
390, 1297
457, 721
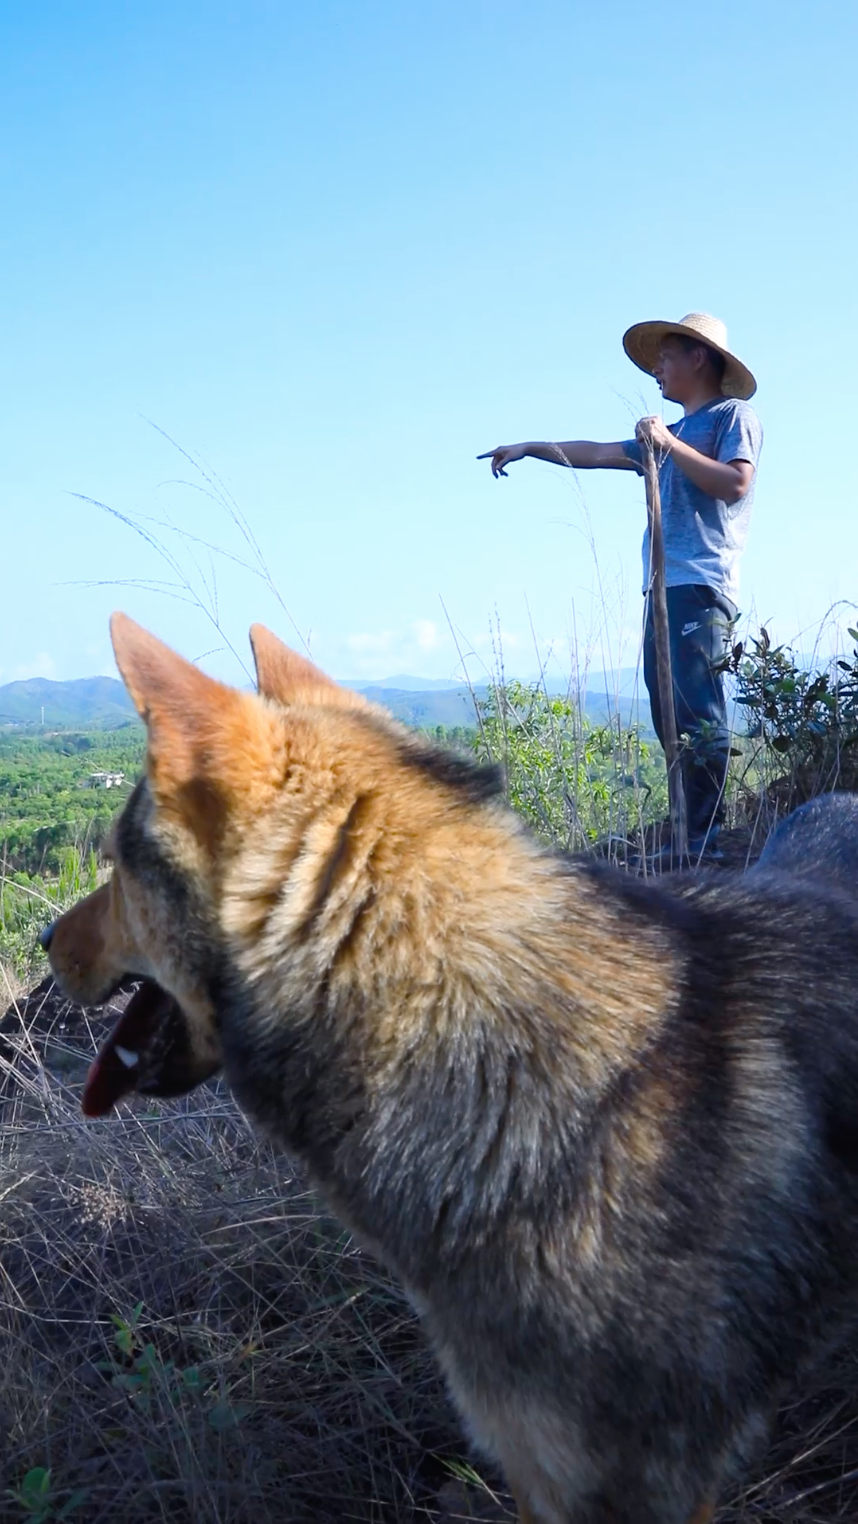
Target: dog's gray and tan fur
606, 1133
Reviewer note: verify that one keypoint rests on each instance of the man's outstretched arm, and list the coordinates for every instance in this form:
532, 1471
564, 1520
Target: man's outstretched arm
585, 454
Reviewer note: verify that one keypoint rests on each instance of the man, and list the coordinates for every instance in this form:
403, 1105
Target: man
707, 464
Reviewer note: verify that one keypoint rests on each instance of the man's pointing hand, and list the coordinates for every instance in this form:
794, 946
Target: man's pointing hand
503, 456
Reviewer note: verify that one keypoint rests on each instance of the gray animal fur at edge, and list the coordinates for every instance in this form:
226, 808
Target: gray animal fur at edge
819, 841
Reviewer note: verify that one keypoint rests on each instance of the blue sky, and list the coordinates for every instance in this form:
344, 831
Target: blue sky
336, 250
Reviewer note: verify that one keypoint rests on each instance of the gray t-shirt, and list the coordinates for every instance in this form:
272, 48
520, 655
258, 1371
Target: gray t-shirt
704, 536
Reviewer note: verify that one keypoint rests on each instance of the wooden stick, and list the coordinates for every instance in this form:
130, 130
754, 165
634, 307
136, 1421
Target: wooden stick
658, 594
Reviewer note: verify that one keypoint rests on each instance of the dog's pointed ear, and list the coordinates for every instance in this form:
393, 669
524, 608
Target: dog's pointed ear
286, 676
209, 746
280, 672
167, 690
182, 708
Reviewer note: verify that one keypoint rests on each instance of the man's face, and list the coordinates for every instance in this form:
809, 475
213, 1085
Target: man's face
676, 369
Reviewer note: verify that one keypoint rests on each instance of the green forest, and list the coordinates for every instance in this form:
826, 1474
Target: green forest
47, 803
52, 821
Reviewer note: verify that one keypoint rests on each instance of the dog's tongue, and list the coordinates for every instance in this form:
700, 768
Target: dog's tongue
137, 1052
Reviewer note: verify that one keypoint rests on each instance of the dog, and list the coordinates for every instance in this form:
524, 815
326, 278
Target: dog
818, 841
604, 1131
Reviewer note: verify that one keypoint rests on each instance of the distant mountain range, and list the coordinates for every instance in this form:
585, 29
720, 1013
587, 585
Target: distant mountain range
102, 702
425, 707
428, 702
401, 683
96, 701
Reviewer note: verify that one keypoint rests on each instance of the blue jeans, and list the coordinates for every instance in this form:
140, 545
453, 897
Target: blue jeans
698, 619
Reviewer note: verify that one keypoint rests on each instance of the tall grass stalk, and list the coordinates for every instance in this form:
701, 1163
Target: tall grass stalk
28, 903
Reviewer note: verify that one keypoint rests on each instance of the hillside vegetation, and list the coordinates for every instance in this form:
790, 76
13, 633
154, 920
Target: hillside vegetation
46, 801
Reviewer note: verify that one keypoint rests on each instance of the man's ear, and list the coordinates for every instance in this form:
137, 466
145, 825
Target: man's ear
288, 678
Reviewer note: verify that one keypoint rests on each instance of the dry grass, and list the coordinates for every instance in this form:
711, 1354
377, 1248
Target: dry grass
185, 1335
272, 1372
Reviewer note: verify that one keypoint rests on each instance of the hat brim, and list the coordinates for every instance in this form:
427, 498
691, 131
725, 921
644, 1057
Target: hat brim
641, 343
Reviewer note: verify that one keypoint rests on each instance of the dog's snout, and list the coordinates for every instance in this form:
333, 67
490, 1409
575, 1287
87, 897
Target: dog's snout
46, 936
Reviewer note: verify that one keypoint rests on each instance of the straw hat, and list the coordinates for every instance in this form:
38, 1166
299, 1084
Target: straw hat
641, 343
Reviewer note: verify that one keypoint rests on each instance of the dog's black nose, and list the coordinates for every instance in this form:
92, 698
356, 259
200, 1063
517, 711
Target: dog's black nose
46, 935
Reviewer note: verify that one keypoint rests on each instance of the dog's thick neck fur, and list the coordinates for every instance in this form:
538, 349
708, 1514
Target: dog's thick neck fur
379, 897
485, 953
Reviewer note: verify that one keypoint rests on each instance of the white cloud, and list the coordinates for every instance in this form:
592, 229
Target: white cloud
427, 634
422, 647
368, 644
42, 665
508, 640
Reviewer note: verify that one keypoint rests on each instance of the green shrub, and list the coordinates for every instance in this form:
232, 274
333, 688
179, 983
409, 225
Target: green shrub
575, 782
29, 902
802, 724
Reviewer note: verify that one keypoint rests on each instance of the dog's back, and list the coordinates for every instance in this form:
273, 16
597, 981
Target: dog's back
818, 841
